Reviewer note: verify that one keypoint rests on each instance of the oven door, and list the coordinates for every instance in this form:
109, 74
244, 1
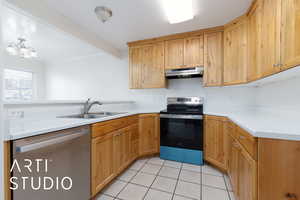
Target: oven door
182, 131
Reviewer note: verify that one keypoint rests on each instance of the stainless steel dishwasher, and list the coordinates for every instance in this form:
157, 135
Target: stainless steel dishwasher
57, 166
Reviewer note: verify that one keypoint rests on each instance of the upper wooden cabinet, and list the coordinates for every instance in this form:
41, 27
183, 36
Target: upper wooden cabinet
146, 66
290, 54
270, 37
184, 53
149, 134
213, 59
236, 52
254, 42
174, 51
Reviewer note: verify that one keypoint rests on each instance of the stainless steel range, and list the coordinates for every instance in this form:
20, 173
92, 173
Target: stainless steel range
182, 130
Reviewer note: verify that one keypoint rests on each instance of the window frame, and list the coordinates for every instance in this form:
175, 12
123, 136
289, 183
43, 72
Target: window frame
34, 83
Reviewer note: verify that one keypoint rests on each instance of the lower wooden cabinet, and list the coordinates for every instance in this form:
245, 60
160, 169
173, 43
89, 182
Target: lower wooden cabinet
117, 143
233, 164
102, 162
149, 134
278, 169
216, 141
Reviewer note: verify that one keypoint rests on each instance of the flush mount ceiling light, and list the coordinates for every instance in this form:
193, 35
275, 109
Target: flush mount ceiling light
178, 10
103, 13
20, 49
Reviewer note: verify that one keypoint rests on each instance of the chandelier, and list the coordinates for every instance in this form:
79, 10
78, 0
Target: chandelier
20, 49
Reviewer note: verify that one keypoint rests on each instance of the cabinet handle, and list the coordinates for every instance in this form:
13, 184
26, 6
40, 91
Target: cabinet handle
291, 196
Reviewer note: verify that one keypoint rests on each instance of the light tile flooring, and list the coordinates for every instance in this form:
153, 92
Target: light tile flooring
156, 179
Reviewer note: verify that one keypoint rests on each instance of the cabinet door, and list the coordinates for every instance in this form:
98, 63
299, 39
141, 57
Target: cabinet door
215, 142
247, 177
193, 51
149, 134
117, 151
102, 162
279, 164
134, 141
290, 33
174, 54
146, 66
235, 52
254, 42
233, 164
270, 37
126, 150
213, 59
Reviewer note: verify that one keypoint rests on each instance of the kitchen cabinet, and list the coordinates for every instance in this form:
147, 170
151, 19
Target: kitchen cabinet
247, 176
236, 52
184, 53
102, 162
216, 141
290, 49
213, 59
134, 140
233, 164
270, 37
278, 169
146, 66
174, 52
254, 42
149, 134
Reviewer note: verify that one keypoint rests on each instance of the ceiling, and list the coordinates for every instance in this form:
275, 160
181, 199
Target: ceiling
140, 19
50, 43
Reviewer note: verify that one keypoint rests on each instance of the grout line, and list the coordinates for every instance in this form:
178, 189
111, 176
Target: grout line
153, 181
127, 183
177, 181
226, 187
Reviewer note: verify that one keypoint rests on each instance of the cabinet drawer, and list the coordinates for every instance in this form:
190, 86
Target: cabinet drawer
248, 141
99, 129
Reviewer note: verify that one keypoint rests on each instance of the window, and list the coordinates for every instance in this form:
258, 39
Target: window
18, 85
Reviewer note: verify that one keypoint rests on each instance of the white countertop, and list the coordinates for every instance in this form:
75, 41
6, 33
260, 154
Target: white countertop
264, 124
259, 123
26, 128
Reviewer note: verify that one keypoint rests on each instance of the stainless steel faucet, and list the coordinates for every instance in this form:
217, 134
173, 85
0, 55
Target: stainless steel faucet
88, 105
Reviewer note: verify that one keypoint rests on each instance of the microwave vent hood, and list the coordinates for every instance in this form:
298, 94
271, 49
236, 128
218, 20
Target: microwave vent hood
194, 72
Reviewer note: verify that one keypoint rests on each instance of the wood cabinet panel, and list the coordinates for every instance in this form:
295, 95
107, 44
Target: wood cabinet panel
233, 164
247, 177
254, 42
270, 37
278, 169
215, 142
149, 134
236, 52
174, 54
213, 59
290, 54
146, 66
247, 141
193, 51
102, 162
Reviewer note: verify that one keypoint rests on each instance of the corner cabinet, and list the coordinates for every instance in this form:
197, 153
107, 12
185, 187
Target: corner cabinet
213, 59
216, 141
146, 66
149, 134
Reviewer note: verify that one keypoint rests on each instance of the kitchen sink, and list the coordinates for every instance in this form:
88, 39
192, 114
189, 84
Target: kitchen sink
93, 115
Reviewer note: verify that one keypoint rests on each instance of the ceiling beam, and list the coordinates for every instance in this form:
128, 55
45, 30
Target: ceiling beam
42, 11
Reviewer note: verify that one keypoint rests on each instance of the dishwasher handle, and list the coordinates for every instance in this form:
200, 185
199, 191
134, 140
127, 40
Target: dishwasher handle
46, 143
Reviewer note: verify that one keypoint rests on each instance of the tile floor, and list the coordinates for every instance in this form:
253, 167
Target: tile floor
156, 179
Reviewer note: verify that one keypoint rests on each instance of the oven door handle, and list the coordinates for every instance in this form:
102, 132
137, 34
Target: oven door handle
173, 116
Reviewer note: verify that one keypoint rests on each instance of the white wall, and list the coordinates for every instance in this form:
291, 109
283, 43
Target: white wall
1, 112
29, 65
105, 77
280, 96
